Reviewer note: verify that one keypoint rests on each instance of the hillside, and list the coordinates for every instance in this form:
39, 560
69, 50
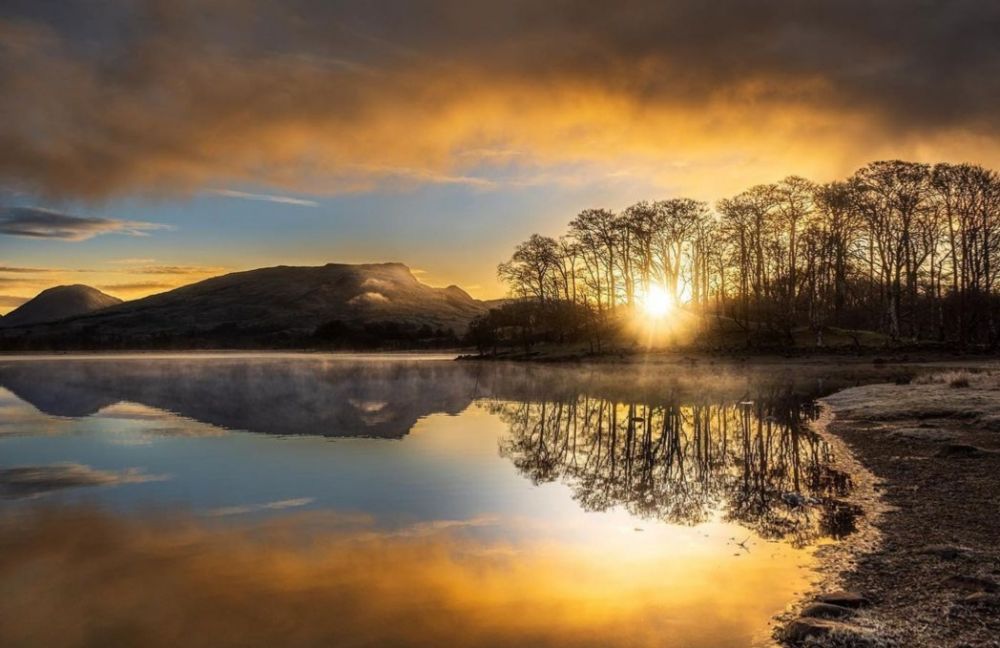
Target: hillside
59, 303
270, 306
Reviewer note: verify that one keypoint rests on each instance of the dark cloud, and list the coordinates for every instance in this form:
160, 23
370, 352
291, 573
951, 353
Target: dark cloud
156, 95
31, 481
18, 270
34, 222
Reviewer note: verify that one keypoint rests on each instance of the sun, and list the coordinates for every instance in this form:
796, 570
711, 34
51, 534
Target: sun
657, 302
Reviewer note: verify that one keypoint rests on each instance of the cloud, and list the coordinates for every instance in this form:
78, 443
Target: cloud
368, 298
19, 270
11, 300
132, 261
156, 96
177, 270
138, 286
32, 481
286, 200
35, 222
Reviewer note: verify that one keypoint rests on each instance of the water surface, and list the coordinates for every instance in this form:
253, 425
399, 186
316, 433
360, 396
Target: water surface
411, 501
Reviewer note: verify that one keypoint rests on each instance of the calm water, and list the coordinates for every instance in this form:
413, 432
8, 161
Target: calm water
349, 500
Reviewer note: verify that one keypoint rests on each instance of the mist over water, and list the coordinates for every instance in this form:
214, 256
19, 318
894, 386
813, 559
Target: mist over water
326, 500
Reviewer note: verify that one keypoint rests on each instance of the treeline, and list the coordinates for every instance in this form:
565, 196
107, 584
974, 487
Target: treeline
375, 335
908, 250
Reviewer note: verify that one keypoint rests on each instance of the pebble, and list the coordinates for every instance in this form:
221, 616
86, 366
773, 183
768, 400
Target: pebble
851, 600
946, 552
981, 599
827, 611
960, 450
804, 628
973, 583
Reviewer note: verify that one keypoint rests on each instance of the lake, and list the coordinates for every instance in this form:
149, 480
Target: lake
350, 500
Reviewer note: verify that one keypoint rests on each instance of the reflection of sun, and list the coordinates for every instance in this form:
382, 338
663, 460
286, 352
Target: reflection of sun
657, 302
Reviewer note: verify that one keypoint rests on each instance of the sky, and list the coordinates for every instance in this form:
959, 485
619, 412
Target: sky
145, 144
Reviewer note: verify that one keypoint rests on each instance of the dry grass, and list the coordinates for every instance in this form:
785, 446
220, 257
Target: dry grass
961, 378
968, 396
863, 639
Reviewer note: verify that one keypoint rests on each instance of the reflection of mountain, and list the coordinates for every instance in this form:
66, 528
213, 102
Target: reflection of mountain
317, 397
753, 461
49, 393
680, 444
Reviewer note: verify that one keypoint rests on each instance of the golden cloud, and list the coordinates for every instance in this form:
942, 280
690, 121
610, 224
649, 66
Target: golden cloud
158, 96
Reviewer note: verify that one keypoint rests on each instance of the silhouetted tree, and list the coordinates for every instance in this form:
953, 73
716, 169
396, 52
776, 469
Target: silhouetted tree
900, 248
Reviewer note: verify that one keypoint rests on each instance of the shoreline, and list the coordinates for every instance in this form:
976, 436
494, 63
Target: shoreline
925, 569
868, 355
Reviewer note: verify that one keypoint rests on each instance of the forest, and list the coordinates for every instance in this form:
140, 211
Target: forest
907, 250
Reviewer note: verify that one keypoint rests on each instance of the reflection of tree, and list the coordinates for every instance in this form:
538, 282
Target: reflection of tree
754, 461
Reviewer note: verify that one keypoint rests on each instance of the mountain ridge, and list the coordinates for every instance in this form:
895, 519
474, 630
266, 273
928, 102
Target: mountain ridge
272, 305
59, 303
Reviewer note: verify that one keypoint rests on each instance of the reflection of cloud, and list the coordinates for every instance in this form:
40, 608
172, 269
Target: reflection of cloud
278, 505
32, 481
35, 222
309, 580
151, 423
438, 526
368, 407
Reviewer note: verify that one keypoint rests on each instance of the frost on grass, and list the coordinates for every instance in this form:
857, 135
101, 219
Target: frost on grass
960, 395
850, 640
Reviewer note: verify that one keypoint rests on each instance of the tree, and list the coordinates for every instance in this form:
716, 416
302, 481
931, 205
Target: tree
893, 197
899, 247
531, 269
598, 232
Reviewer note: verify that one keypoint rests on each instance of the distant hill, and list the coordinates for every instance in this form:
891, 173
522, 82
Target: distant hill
339, 304
59, 303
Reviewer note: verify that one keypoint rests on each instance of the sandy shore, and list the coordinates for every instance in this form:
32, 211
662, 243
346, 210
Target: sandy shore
926, 569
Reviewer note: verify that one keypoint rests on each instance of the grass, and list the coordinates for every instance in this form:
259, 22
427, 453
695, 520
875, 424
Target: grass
960, 379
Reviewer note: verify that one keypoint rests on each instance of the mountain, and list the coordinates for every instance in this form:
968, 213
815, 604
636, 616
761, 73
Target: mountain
59, 303
279, 306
